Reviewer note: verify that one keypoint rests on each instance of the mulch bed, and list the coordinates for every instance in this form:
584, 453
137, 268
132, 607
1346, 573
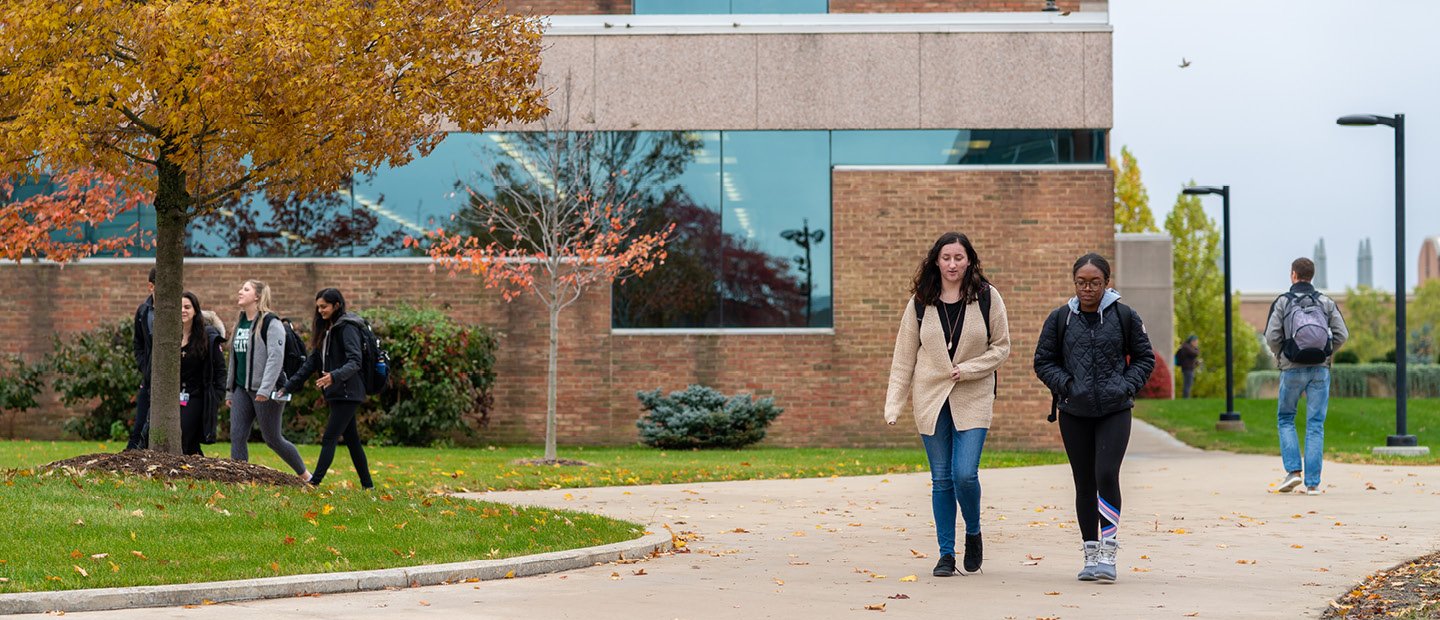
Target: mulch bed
164, 465
1410, 590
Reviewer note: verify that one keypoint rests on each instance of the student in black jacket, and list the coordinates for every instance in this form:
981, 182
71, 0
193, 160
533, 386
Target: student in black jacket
1094, 356
144, 335
336, 355
202, 376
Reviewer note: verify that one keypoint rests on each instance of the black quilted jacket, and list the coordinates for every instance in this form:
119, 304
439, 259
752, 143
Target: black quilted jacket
1089, 371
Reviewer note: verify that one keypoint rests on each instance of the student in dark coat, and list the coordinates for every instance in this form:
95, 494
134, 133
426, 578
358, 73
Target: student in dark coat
336, 355
1188, 359
144, 335
1094, 356
202, 376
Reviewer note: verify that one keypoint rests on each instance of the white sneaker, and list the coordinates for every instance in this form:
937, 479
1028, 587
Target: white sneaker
1291, 481
1312, 490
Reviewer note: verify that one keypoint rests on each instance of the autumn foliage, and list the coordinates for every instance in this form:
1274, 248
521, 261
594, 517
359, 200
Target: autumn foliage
51, 225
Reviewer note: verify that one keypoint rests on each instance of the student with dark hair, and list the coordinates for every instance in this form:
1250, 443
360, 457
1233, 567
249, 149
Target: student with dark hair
144, 336
202, 376
1187, 357
336, 354
1094, 355
1303, 331
953, 335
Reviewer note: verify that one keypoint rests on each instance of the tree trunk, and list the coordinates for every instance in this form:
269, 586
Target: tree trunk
171, 217
550, 383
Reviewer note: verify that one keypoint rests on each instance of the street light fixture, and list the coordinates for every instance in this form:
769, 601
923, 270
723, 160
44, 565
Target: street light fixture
1229, 419
1401, 442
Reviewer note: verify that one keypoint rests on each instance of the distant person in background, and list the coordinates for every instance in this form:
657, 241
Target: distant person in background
1188, 359
144, 337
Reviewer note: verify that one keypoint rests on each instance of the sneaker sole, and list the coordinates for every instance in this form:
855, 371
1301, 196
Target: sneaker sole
1087, 577
1287, 487
941, 573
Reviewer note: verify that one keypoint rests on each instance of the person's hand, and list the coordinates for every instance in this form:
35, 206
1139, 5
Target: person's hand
279, 393
228, 404
955, 373
324, 381
260, 398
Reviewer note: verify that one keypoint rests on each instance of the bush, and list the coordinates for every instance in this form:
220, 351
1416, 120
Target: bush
1346, 356
1359, 381
702, 417
97, 367
441, 374
1161, 384
20, 384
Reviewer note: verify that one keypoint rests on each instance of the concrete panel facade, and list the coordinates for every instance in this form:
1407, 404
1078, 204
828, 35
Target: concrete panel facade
1145, 278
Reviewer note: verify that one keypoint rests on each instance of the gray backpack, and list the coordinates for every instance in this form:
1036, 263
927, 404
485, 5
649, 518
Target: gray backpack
1307, 330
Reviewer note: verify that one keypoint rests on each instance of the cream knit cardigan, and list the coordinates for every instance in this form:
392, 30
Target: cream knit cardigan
921, 367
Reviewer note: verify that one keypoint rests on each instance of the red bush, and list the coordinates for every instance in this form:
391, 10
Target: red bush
1161, 383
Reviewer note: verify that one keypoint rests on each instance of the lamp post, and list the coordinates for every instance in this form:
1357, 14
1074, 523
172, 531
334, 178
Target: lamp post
1229, 419
1401, 442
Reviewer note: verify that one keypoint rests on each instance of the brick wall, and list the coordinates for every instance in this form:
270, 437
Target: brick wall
1027, 225
623, 7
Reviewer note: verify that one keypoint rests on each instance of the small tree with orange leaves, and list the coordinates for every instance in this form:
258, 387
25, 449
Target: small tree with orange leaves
51, 223
559, 219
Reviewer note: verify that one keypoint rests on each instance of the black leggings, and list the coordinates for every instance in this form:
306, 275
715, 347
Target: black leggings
342, 425
1096, 446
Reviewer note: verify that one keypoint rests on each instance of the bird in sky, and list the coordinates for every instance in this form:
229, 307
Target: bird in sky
1184, 62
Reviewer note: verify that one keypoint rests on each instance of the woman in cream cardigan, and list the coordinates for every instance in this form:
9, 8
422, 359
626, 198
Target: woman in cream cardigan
945, 360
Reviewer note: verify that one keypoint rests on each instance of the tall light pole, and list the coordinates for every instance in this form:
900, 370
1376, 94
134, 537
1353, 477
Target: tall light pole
1229, 419
1401, 442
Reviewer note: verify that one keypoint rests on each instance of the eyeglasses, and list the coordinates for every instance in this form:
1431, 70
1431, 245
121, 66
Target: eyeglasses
1089, 285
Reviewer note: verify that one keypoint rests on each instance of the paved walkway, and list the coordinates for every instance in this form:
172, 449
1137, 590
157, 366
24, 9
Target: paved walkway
1201, 535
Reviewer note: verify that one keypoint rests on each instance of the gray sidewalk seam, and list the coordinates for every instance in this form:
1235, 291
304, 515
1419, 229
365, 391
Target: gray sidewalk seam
175, 595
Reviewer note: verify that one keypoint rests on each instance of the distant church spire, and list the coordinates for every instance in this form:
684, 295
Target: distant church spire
1320, 271
1365, 265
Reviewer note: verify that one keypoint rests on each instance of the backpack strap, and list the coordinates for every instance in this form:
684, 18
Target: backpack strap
265, 326
1062, 318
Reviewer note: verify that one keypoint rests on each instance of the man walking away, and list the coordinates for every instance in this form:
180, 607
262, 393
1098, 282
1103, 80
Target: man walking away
1304, 330
1188, 358
144, 336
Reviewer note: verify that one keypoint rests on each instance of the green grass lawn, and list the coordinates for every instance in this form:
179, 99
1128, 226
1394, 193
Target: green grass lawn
102, 531
477, 469
1352, 426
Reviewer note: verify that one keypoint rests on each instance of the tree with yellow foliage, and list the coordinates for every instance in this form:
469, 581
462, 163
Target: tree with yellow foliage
191, 101
1132, 202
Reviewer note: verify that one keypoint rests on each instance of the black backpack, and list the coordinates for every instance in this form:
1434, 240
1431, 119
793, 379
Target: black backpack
374, 361
984, 316
294, 347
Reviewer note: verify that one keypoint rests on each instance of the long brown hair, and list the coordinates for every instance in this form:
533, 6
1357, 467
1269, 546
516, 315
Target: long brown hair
926, 286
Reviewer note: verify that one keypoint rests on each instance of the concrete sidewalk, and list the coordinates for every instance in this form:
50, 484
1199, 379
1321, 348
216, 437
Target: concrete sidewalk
1201, 536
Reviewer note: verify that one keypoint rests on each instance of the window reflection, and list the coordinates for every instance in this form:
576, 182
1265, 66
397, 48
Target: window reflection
935, 147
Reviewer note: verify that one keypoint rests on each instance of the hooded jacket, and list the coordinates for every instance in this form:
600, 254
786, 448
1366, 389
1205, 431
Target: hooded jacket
1091, 371
339, 354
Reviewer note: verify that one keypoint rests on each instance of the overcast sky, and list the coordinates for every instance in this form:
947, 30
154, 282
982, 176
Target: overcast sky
1256, 109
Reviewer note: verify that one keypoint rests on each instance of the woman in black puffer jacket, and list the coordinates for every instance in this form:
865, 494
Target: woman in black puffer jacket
336, 354
1094, 356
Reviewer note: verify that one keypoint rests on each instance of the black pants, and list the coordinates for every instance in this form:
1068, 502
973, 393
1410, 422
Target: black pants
140, 431
192, 426
1096, 446
342, 425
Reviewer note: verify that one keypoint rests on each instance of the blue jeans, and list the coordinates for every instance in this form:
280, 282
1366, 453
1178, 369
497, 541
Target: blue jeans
1314, 383
954, 477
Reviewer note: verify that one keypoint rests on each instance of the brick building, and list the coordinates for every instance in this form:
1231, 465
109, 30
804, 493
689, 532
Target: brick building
879, 124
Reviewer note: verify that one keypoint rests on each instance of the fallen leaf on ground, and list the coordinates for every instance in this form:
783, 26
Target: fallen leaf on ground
1052, 594
425, 603
880, 607
1031, 556
639, 572
1244, 561
779, 581
899, 596
907, 579
80, 570
510, 575
917, 554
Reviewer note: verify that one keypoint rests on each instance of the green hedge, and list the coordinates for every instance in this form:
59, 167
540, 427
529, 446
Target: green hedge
1357, 381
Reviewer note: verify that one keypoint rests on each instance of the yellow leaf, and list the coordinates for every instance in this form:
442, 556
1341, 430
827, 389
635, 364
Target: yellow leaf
880, 607
401, 525
114, 568
275, 566
1052, 594
569, 497
80, 570
327, 509
779, 581
907, 579
510, 575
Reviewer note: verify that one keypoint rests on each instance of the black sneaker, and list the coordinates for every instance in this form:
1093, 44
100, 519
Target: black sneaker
974, 553
946, 566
